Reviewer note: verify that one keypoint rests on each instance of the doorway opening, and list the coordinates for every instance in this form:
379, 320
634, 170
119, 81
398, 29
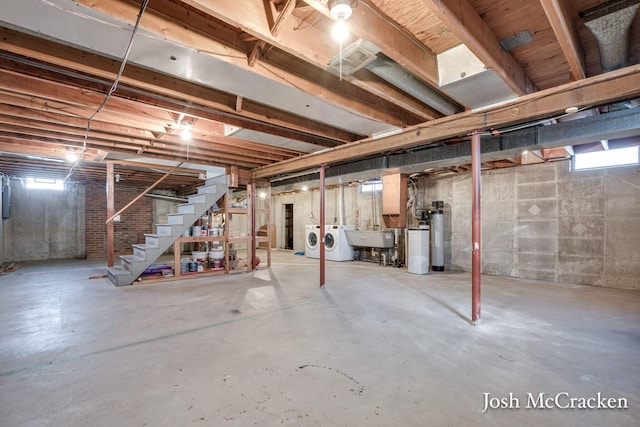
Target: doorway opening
288, 226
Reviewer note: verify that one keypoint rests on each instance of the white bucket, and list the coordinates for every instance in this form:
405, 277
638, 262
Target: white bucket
216, 254
199, 256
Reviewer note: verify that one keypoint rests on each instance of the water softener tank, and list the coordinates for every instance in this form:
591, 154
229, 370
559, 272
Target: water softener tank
437, 236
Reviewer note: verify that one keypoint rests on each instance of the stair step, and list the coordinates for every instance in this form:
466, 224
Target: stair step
177, 218
126, 261
119, 276
198, 198
220, 179
167, 229
151, 240
140, 251
188, 208
210, 189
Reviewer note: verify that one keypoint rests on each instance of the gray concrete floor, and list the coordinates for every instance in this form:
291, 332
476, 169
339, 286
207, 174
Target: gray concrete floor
376, 347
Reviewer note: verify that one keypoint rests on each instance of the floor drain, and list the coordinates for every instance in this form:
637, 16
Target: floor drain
235, 311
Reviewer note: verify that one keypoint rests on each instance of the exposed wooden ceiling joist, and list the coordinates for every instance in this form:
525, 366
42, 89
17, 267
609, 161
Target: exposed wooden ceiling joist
250, 16
464, 21
215, 105
566, 33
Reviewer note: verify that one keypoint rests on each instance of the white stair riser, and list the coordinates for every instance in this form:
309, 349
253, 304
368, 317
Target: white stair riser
187, 209
221, 179
175, 219
139, 253
198, 198
151, 240
209, 189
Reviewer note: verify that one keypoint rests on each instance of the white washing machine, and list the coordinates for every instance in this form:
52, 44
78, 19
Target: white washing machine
337, 248
312, 241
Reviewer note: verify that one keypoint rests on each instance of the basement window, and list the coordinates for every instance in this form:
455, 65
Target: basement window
369, 187
44, 184
605, 159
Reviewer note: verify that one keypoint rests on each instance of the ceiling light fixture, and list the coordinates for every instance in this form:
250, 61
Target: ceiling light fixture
71, 156
186, 132
340, 11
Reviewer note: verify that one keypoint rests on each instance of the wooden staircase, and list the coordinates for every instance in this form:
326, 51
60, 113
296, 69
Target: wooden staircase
132, 266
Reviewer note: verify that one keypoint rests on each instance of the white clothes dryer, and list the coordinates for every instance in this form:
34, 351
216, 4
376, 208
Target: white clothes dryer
312, 241
337, 248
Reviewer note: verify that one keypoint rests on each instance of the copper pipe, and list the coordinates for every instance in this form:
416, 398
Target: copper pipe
475, 229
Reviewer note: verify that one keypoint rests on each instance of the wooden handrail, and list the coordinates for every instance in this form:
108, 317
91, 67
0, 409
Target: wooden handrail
144, 192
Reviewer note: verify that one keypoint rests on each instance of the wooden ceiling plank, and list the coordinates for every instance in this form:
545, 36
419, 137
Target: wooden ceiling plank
609, 87
563, 26
463, 20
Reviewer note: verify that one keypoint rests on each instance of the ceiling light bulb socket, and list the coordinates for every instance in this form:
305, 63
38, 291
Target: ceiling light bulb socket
341, 10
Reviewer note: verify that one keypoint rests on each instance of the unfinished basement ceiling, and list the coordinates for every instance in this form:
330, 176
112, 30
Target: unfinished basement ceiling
263, 68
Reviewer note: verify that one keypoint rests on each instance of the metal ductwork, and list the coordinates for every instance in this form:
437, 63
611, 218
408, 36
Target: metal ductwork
392, 72
363, 54
610, 24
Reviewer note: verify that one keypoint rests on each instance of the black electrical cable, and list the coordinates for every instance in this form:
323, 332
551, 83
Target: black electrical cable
143, 6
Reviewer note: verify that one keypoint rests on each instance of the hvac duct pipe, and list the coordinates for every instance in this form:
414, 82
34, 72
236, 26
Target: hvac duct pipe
321, 242
475, 229
610, 24
341, 205
388, 70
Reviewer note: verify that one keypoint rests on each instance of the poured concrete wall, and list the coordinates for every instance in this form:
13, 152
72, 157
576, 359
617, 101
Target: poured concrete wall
44, 224
546, 222
363, 210
539, 221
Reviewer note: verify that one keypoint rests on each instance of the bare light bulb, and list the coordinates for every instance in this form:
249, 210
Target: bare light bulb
186, 132
72, 157
340, 30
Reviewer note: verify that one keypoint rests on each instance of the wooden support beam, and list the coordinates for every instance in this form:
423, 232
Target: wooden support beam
604, 88
463, 20
561, 21
110, 213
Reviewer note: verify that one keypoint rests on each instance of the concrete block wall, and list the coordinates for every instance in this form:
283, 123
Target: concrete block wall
545, 222
134, 223
44, 224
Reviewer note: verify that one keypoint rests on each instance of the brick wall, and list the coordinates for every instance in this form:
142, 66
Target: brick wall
135, 222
